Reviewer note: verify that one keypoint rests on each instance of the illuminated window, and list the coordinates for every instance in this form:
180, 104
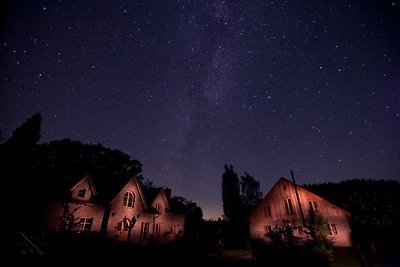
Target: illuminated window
173, 229
144, 231
158, 208
332, 229
123, 225
313, 206
85, 224
289, 207
129, 200
119, 226
157, 229
267, 211
82, 192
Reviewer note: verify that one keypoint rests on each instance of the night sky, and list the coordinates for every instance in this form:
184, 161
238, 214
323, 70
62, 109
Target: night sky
187, 86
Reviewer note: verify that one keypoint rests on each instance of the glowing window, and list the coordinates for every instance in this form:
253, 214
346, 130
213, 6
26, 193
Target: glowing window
158, 208
129, 200
82, 192
332, 229
124, 225
144, 231
85, 224
289, 207
313, 206
157, 229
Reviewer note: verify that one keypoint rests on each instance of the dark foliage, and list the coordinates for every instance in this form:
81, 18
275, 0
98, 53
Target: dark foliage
235, 228
193, 215
232, 203
16, 156
37, 173
319, 245
60, 164
250, 193
375, 214
374, 205
286, 249
239, 200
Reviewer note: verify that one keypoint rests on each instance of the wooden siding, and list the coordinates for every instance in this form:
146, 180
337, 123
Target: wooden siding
283, 190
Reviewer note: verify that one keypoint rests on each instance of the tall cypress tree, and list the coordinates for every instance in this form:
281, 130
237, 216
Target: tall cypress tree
231, 195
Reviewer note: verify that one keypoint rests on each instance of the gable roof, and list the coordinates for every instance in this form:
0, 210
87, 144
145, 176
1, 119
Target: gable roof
135, 182
90, 182
150, 194
284, 180
161, 192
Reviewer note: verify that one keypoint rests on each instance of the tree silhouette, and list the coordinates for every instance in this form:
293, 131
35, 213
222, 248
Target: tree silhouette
16, 153
60, 164
318, 246
15, 159
250, 193
193, 214
232, 203
374, 206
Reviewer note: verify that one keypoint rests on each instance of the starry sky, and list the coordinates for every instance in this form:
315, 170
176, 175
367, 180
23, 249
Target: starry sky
187, 86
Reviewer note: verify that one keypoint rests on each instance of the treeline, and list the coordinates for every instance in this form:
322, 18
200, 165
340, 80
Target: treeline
35, 173
239, 198
374, 206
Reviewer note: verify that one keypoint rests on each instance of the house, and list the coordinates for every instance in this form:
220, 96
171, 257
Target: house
131, 219
122, 214
283, 205
77, 211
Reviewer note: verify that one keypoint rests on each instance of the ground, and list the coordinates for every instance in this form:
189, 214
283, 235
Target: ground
182, 253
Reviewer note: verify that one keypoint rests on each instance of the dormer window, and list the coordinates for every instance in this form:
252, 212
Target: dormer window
129, 200
82, 192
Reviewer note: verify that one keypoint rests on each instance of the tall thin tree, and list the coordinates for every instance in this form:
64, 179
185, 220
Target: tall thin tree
231, 195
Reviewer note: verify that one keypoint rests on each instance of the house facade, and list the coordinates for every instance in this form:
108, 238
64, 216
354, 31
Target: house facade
286, 203
126, 217
78, 212
132, 219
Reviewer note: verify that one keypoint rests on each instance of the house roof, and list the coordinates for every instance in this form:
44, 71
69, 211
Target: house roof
90, 182
151, 193
105, 191
164, 197
300, 188
135, 181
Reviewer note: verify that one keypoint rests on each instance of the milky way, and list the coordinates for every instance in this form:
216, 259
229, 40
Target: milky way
187, 86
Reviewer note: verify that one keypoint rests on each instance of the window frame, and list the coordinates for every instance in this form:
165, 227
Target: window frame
129, 200
85, 224
80, 192
289, 207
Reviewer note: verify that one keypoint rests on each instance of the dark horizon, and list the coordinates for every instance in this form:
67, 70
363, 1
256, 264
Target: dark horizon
186, 87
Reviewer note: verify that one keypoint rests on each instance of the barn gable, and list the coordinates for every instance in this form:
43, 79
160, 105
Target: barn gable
283, 204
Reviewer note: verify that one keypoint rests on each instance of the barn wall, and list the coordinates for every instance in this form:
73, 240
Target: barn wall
283, 190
